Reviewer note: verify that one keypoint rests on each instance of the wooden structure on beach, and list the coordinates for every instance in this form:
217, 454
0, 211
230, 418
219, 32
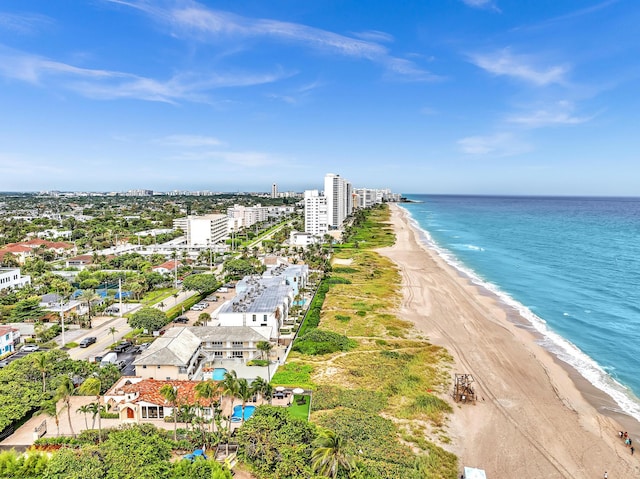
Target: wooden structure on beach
463, 390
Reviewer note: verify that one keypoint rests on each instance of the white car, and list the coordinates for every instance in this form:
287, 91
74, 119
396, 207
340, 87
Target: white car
29, 348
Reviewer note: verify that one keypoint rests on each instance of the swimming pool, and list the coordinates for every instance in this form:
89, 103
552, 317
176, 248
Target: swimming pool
218, 374
237, 412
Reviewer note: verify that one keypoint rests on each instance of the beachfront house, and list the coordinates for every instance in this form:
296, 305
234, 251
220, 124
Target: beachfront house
138, 400
182, 352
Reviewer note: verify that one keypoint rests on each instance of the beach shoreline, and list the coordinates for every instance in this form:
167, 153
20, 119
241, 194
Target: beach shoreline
536, 416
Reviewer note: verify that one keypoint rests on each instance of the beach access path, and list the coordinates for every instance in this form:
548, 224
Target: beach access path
531, 420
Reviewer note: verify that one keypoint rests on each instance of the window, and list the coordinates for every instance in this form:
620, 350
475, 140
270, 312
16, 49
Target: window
264, 318
144, 366
237, 354
236, 344
217, 354
254, 318
216, 344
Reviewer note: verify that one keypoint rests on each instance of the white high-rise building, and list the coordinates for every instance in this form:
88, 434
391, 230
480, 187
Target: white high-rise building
315, 213
203, 230
338, 192
274, 190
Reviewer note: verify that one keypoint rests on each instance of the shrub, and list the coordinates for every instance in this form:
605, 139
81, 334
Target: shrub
71, 345
109, 415
257, 362
319, 341
343, 318
331, 397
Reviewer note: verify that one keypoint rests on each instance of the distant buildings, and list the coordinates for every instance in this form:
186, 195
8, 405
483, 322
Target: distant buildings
203, 230
338, 192
327, 210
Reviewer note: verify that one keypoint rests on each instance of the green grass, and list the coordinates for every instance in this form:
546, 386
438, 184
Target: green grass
300, 411
293, 374
158, 295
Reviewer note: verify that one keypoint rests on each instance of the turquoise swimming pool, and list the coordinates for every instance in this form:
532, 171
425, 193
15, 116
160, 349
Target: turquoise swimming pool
237, 412
218, 374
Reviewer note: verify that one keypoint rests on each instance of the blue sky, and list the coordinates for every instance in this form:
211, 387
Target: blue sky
438, 96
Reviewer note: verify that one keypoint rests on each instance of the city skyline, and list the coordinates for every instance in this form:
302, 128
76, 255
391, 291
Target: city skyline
460, 97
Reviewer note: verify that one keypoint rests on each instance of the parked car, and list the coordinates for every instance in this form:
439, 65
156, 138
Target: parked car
197, 307
4, 363
109, 358
88, 341
29, 348
121, 365
123, 346
112, 310
143, 347
181, 319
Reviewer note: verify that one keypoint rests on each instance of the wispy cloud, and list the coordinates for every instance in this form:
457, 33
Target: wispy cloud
497, 145
244, 159
208, 25
374, 36
560, 113
189, 141
521, 67
483, 4
25, 23
105, 84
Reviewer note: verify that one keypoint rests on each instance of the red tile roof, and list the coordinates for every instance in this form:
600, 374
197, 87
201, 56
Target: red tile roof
149, 391
170, 265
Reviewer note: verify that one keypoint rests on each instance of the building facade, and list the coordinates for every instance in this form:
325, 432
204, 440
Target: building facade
338, 193
315, 213
11, 278
203, 230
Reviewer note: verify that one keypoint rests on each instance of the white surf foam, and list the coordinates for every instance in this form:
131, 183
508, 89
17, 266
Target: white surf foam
552, 341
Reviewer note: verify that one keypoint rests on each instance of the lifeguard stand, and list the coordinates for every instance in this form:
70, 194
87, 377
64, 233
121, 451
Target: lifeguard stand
462, 389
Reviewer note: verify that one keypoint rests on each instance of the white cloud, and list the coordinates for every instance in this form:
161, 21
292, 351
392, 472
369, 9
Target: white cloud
190, 141
505, 63
105, 84
244, 159
560, 113
26, 23
208, 25
498, 145
374, 36
484, 4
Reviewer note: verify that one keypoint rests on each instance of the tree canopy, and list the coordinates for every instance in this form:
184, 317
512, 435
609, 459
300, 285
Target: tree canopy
202, 283
148, 318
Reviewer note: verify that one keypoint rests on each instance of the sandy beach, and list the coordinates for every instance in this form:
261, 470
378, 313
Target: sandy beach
535, 417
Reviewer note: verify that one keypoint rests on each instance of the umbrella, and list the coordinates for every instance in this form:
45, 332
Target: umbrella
298, 391
280, 388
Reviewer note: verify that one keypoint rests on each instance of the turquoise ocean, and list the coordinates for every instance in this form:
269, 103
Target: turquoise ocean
569, 265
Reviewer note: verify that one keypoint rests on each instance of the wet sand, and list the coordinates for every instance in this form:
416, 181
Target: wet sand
535, 417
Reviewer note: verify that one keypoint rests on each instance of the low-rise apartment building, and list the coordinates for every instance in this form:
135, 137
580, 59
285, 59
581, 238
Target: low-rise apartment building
11, 278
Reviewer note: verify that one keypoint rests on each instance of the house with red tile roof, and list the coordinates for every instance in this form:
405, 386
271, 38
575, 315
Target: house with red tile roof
167, 267
139, 400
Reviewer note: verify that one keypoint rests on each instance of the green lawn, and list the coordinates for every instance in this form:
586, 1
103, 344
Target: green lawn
153, 297
300, 411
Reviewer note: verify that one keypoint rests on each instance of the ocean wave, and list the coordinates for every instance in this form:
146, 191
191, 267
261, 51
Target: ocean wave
563, 349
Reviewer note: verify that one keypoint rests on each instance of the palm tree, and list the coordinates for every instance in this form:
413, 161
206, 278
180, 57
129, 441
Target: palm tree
330, 456
88, 296
51, 409
63, 393
112, 332
209, 390
170, 394
260, 385
204, 318
265, 348
245, 392
230, 388
92, 387
42, 363
84, 409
